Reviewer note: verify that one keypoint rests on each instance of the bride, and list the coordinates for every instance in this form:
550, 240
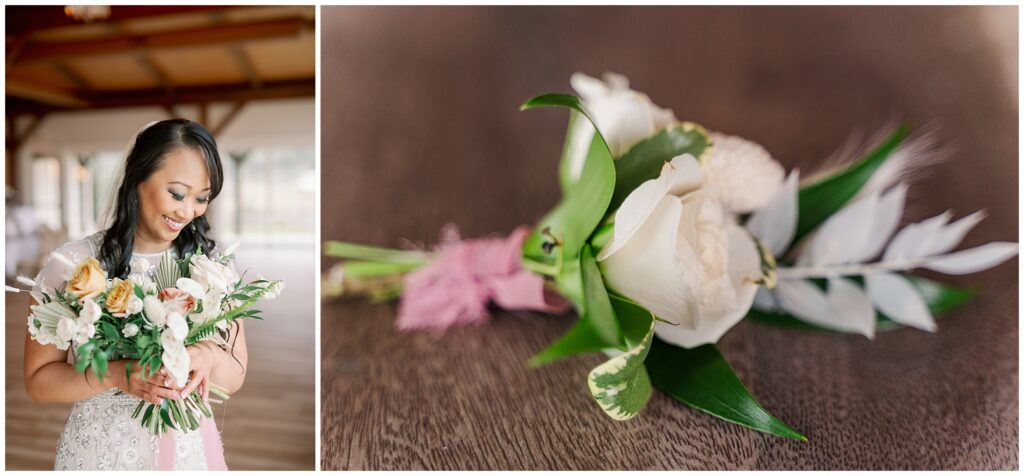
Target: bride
171, 175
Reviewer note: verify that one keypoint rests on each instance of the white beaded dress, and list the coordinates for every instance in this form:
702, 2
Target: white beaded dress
100, 433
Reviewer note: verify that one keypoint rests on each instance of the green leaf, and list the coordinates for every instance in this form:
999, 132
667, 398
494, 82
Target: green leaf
165, 416
939, 297
633, 319
597, 328
564, 172
621, 385
340, 249
367, 269
821, 199
702, 379
99, 364
644, 160
583, 207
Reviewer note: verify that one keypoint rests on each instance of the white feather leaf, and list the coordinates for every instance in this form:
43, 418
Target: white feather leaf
914, 239
775, 223
883, 223
899, 300
974, 259
844, 308
844, 235
952, 234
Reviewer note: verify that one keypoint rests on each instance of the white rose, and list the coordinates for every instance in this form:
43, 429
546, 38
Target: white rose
176, 327
678, 254
139, 265
155, 311
91, 312
625, 117
148, 285
740, 174
130, 330
86, 331
134, 306
211, 274
67, 329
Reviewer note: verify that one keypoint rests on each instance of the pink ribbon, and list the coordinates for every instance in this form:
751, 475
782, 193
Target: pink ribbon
212, 447
456, 287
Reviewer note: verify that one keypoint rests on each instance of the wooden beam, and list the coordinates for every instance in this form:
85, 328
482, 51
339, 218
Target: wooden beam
25, 19
80, 83
204, 114
209, 35
156, 72
246, 64
227, 119
45, 94
16, 139
157, 97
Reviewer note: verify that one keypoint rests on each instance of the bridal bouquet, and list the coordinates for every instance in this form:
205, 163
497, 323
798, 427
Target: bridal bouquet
192, 299
668, 235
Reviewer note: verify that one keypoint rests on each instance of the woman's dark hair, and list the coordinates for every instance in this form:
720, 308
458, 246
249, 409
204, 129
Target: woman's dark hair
146, 156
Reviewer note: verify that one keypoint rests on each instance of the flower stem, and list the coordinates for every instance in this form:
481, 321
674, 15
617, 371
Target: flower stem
832, 271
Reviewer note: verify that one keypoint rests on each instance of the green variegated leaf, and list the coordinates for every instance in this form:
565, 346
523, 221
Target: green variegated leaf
821, 199
597, 327
940, 298
644, 160
621, 385
168, 271
583, 206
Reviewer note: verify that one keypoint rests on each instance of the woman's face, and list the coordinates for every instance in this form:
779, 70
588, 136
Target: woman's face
177, 193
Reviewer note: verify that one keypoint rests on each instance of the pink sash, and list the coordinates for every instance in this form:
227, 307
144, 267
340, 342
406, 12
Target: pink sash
212, 447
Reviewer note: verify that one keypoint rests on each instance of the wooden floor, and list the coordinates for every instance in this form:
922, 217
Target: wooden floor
421, 105
268, 425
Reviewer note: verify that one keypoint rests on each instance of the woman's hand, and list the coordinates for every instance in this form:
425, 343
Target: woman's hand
152, 389
202, 360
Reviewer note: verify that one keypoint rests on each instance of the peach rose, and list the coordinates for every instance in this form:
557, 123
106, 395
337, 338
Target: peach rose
87, 279
120, 293
176, 300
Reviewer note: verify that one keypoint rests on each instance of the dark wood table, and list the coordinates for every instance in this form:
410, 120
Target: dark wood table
420, 128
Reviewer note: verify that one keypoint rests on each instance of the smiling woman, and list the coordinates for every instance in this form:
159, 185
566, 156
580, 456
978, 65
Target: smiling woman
170, 177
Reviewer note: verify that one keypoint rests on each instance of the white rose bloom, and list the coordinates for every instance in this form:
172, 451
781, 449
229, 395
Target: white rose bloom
678, 254
134, 305
67, 329
148, 285
740, 174
211, 274
624, 117
155, 311
130, 330
91, 312
86, 331
177, 327
139, 265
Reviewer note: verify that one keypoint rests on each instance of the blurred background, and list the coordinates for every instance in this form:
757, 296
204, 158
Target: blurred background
81, 82
422, 128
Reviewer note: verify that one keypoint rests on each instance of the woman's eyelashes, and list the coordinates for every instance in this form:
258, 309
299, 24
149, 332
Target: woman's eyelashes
181, 198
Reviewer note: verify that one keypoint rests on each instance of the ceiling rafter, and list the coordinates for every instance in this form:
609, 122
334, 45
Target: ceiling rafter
228, 33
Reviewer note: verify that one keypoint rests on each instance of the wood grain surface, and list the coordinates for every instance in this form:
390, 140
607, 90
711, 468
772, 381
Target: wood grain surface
420, 128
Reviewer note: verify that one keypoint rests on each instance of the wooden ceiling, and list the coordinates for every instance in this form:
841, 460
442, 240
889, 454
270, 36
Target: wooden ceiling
157, 56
